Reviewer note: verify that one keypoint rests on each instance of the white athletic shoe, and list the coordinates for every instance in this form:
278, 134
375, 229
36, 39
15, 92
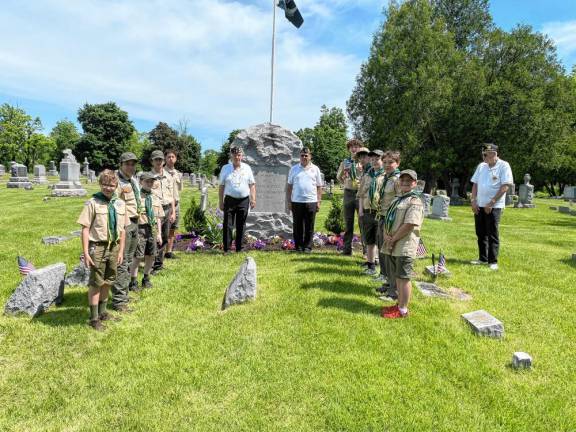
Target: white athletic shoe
494, 266
478, 262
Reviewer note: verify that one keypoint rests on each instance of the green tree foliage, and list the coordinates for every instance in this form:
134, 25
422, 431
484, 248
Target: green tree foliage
224, 154
209, 163
195, 219
107, 132
138, 143
16, 130
65, 136
38, 149
334, 222
327, 140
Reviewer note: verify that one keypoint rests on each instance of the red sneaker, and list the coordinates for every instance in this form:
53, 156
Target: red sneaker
387, 309
394, 313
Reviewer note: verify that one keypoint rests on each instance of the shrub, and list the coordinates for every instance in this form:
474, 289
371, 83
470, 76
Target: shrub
335, 220
195, 219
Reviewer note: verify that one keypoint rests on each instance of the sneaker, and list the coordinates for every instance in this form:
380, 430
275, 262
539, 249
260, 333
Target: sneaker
146, 282
394, 313
170, 255
97, 325
133, 286
370, 271
107, 317
478, 262
494, 266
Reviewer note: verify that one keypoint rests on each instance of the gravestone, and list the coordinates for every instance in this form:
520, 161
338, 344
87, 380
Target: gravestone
440, 207
331, 190
40, 289
420, 186
484, 324
40, 174
19, 177
85, 167
204, 199
69, 184
271, 151
455, 199
525, 194
192, 179
431, 290
52, 171
569, 192
521, 360
2, 170
53, 240
441, 192
80, 276
201, 183
564, 209
214, 181
323, 179
509, 197
244, 285
91, 176
427, 203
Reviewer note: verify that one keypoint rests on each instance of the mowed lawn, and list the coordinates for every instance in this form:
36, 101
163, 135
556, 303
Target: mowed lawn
310, 354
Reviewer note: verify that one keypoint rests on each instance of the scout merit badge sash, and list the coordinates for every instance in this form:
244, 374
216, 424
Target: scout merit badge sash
373, 182
391, 213
111, 219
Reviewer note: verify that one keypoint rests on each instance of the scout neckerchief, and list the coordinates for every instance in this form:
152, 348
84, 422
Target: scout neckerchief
386, 178
148, 205
136, 190
111, 219
391, 213
373, 182
352, 168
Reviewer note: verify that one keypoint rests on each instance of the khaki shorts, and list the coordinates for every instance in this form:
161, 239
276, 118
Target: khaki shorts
105, 264
400, 267
146, 242
176, 224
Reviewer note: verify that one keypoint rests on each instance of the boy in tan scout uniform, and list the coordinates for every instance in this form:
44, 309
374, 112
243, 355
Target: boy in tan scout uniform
369, 200
390, 190
149, 226
401, 235
128, 191
103, 219
171, 158
163, 189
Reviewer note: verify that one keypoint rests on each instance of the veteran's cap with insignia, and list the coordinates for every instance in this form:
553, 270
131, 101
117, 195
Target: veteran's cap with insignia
128, 156
157, 154
489, 147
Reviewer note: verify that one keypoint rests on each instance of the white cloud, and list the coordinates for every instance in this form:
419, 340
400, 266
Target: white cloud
563, 34
207, 60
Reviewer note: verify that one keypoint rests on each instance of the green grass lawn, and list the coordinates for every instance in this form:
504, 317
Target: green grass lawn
310, 354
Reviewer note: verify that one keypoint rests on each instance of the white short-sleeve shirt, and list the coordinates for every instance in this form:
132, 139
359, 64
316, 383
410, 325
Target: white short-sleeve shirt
489, 180
305, 183
237, 181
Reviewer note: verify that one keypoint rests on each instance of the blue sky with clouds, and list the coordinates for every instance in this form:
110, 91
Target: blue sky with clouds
206, 61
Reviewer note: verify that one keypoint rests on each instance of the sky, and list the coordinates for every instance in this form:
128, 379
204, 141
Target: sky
207, 62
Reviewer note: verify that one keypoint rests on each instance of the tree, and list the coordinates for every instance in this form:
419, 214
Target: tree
65, 136
107, 131
224, 154
16, 128
38, 149
138, 143
209, 163
468, 20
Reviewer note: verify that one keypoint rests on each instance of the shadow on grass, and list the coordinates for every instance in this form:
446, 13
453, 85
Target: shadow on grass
564, 223
73, 311
330, 259
333, 272
349, 305
337, 286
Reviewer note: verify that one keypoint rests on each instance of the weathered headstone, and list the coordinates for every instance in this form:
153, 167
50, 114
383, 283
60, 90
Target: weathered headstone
38, 291
431, 290
569, 192
69, 184
91, 176
53, 240
40, 174
440, 207
201, 183
455, 199
521, 360
19, 177
85, 167
564, 209
244, 285
484, 324
204, 199
192, 179
52, 171
331, 189
525, 194
270, 150
427, 202
2, 170
509, 199
80, 275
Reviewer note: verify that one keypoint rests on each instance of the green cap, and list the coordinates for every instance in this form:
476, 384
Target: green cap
128, 156
410, 173
147, 176
157, 154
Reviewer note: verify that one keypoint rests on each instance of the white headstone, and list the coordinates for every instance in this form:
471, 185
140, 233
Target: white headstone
69, 184
19, 177
440, 207
40, 174
484, 324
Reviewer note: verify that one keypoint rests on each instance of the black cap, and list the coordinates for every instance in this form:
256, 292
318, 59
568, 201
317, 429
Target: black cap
235, 150
489, 147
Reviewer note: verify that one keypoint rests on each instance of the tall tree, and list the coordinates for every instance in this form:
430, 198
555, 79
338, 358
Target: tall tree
16, 128
65, 136
107, 131
209, 163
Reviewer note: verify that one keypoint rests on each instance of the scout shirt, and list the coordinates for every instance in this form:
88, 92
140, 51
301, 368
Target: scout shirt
125, 192
349, 183
177, 179
410, 210
94, 215
364, 191
156, 207
391, 191
163, 187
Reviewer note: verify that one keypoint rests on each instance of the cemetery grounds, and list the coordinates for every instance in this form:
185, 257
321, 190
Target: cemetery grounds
311, 353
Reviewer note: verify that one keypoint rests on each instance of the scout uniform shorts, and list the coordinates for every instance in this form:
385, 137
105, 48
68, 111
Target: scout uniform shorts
400, 267
370, 225
146, 242
105, 259
175, 224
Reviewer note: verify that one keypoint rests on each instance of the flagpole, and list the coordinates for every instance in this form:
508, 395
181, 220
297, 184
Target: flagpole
272, 60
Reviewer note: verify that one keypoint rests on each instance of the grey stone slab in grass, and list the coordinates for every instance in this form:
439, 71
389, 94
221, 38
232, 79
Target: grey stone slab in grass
431, 290
19, 177
244, 285
484, 324
564, 209
53, 240
40, 289
521, 360
78, 276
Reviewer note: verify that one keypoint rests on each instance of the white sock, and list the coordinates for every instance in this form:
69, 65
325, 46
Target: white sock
403, 311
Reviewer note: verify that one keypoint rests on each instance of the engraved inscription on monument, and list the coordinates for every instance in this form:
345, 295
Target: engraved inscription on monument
271, 190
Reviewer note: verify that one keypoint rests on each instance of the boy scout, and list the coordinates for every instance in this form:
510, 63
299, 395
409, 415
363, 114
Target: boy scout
128, 191
103, 219
164, 190
401, 235
368, 201
149, 226
390, 190
171, 158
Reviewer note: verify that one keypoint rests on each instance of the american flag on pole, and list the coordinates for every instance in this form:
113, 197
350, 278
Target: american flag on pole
421, 251
441, 263
25, 266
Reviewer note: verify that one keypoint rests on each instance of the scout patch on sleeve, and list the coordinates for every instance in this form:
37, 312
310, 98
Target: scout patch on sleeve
126, 189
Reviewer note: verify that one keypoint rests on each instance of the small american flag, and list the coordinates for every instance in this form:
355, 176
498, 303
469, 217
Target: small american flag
441, 263
421, 252
82, 260
24, 266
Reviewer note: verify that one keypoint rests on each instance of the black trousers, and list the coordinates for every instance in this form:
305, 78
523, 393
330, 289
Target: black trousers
350, 207
235, 210
166, 224
487, 233
303, 217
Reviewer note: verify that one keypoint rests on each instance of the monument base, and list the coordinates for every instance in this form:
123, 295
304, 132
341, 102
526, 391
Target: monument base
53, 173
68, 192
433, 216
264, 225
40, 180
19, 182
520, 205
